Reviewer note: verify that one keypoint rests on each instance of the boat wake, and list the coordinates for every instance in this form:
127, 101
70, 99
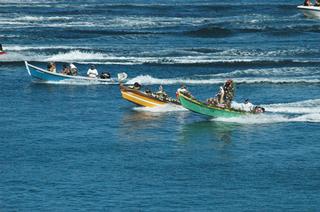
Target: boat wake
302, 111
272, 118
301, 107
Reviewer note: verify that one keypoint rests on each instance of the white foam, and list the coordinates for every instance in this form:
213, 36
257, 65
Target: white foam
149, 80
41, 18
301, 107
161, 109
288, 71
270, 119
23, 48
76, 55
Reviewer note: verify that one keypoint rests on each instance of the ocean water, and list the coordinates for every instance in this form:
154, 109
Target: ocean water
81, 147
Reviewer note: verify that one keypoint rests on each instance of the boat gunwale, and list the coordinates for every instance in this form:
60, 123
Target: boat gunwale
309, 8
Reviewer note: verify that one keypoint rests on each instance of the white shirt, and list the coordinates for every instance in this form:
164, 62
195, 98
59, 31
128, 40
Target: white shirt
92, 72
247, 107
72, 66
182, 90
221, 92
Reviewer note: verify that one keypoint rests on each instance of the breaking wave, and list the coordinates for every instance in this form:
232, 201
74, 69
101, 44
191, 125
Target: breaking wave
196, 57
76, 55
149, 80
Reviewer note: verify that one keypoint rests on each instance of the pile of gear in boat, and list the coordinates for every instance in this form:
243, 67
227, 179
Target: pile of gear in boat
224, 99
72, 70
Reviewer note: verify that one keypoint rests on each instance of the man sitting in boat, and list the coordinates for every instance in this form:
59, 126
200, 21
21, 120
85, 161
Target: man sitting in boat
52, 67
73, 69
218, 100
247, 106
105, 75
224, 96
135, 86
317, 3
92, 72
220, 95
65, 70
183, 89
161, 94
307, 3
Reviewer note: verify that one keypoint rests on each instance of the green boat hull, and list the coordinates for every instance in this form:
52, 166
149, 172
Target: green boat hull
208, 110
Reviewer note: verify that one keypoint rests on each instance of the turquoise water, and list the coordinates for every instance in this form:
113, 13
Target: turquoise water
81, 147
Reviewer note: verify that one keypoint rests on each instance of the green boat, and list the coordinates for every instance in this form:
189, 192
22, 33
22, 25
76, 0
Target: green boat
207, 109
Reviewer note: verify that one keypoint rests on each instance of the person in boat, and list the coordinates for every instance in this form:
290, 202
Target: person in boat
52, 67
229, 92
136, 86
247, 106
307, 3
1, 49
220, 95
161, 94
213, 101
105, 75
73, 69
317, 3
183, 89
258, 109
92, 72
65, 70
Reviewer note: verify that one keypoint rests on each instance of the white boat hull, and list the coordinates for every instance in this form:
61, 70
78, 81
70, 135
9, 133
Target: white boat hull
310, 11
45, 76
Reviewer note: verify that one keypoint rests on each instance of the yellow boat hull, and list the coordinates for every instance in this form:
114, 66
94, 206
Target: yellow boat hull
141, 99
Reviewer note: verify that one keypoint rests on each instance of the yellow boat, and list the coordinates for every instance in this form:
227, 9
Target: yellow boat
145, 98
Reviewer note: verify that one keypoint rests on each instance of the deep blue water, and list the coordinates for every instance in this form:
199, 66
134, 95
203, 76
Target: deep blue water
75, 147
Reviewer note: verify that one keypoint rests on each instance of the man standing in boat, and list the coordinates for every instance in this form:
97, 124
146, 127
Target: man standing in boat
307, 3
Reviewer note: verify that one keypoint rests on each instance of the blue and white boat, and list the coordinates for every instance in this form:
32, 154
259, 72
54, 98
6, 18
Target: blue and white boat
310, 11
42, 75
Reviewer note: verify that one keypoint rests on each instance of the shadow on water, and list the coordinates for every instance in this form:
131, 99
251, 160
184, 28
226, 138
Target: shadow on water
148, 126
208, 130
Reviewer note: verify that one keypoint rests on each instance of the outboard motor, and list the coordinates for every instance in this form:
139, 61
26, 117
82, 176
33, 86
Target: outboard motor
105, 75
